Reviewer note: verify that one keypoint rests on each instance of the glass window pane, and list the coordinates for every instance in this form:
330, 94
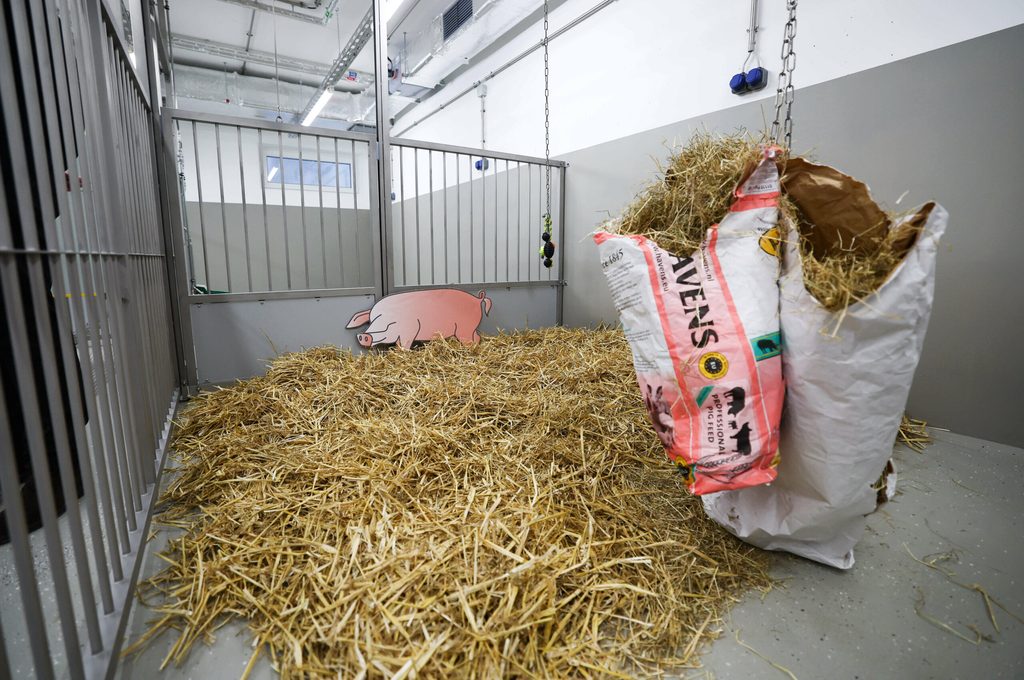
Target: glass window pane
291, 171
328, 174
273, 169
345, 170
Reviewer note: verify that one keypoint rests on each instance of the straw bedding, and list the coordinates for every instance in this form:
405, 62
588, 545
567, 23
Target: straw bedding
695, 189
501, 510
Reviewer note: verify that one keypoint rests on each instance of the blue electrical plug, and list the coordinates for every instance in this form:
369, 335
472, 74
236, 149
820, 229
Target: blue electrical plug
738, 83
756, 78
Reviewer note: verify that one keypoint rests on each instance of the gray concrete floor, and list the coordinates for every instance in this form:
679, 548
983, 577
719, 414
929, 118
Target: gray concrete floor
960, 495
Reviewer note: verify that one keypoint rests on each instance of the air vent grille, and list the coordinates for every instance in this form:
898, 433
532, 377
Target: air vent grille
456, 16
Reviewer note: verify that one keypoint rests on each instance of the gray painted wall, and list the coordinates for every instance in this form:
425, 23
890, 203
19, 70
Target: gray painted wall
238, 339
945, 125
346, 244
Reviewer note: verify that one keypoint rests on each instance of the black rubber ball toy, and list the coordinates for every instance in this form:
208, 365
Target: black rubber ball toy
548, 263
549, 249
545, 237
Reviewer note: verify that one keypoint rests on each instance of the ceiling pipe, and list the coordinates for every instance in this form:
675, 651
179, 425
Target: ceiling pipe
225, 51
255, 92
355, 45
289, 13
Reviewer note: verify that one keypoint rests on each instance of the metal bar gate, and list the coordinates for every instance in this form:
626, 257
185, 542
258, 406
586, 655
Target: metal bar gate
283, 238
88, 363
145, 252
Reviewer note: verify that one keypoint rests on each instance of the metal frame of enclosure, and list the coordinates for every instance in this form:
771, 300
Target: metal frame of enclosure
89, 358
145, 253
253, 248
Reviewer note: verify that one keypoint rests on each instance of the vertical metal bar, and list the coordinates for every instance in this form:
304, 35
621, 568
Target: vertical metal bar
5, 667
385, 195
223, 214
529, 220
401, 204
540, 211
444, 211
320, 194
430, 190
508, 221
263, 198
24, 567
337, 207
519, 221
284, 213
494, 175
458, 219
245, 217
472, 217
483, 216
302, 209
202, 224
561, 245
416, 181
384, 234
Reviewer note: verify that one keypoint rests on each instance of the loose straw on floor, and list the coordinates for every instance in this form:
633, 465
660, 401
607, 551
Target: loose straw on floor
495, 511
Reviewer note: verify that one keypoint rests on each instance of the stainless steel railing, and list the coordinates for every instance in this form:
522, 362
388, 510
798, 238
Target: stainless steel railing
87, 356
465, 216
275, 207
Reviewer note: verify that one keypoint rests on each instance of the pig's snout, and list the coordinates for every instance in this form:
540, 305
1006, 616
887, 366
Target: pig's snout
364, 339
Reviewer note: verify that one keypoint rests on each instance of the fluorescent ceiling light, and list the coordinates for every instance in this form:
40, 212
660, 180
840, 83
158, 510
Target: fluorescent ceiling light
273, 173
318, 107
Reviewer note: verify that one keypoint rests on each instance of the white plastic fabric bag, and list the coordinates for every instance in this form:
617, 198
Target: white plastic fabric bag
704, 330
845, 396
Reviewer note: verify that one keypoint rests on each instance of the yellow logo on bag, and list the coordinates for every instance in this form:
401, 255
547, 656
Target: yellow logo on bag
713, 365
769, 242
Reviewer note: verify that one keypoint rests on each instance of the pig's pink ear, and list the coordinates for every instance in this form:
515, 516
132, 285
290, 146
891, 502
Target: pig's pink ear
360, 319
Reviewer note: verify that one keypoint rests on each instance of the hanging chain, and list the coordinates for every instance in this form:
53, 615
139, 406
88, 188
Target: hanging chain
547, 121
277, 73
785, 93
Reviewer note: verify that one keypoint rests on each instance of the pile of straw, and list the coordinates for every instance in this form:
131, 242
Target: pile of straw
695, 191
494, 511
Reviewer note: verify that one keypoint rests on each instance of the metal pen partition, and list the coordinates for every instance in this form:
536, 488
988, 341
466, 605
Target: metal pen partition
469, 217
273, 207
87, 350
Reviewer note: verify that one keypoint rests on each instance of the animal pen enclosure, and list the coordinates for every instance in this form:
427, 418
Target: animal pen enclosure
287, 234
148, 251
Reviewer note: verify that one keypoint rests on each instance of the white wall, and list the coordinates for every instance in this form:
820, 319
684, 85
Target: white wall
641, 64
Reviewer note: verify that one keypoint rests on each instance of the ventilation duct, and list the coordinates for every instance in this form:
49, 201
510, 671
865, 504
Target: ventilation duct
233, 91
454, 34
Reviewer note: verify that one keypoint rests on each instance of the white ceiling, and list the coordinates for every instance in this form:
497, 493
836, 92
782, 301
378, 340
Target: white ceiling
229, 23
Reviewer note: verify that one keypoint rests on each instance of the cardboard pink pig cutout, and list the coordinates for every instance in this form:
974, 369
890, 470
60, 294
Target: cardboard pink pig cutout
405, 318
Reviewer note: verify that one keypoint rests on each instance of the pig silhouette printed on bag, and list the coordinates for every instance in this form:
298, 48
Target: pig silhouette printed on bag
661, 415
421, 315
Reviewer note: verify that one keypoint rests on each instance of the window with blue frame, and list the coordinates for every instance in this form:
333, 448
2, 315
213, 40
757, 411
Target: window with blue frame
308, 172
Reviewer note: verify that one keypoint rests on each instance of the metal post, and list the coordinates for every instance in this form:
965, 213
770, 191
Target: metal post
263, 198
320, 196
561, 247
382, 237
245, 217
444, 211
